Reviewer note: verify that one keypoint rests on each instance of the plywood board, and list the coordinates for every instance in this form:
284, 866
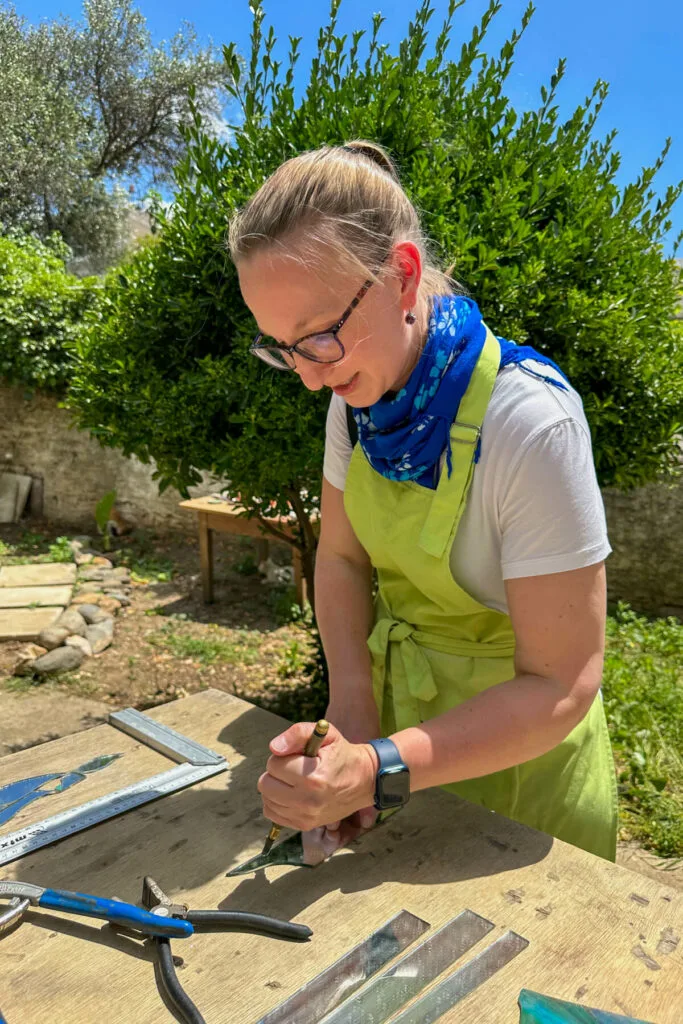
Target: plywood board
598, 934
135, 763
26, 623
26, 597
38, 575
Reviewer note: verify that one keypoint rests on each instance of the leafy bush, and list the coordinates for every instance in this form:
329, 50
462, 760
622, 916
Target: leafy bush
41, 312
643, 690
525, 205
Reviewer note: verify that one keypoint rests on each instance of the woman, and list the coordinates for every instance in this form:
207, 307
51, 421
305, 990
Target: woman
472, 493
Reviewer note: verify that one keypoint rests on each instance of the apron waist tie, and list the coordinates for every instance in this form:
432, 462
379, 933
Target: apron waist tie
417, 674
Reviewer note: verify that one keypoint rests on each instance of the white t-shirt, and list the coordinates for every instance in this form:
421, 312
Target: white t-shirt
534, 505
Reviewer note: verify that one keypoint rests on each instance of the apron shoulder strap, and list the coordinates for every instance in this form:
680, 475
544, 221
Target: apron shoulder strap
448, 503
352, 425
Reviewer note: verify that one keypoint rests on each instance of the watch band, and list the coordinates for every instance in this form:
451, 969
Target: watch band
388, 754
389, 792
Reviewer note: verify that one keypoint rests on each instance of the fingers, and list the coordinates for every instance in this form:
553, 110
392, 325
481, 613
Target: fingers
292, 767
281, 807
294, 739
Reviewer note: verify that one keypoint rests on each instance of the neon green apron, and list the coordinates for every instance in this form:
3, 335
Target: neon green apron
433, 646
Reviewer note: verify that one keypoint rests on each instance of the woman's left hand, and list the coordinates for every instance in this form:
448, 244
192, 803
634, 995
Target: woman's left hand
308, 792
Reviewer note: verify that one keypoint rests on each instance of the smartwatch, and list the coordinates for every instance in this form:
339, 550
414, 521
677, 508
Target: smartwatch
392, 782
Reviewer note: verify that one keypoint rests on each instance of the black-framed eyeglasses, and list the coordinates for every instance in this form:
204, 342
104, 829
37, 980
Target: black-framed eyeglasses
321, 347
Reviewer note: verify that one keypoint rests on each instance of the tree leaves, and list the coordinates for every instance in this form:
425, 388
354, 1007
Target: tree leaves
84, 105
525, 206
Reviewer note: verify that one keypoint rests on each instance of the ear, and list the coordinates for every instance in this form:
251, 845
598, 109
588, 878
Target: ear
408, 262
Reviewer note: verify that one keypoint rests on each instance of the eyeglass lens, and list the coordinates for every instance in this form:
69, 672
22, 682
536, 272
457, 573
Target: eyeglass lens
319, 348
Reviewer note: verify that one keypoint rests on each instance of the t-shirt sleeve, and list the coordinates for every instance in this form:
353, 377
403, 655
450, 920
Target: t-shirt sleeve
551, 514
338, 449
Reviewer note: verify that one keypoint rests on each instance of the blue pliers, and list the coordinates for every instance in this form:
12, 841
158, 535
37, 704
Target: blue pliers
127, 915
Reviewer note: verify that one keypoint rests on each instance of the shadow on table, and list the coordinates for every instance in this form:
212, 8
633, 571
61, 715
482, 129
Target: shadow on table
193, 837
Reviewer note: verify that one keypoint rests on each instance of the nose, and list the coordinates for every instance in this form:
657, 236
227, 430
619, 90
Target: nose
312, 374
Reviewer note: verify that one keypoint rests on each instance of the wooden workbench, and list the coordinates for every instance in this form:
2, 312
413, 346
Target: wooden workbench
598, 934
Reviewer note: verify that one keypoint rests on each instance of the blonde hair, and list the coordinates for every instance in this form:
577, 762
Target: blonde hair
347, 200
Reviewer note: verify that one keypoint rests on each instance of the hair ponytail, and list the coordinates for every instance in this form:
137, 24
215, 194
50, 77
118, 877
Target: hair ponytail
345, 199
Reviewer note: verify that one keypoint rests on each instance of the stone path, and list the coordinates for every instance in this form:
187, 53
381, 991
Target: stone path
42, 574
32, 597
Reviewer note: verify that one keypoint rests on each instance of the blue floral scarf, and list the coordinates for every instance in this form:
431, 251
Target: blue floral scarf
404, 436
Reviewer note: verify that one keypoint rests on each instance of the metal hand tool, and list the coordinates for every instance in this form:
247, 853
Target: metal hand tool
310, 750
161, 906
293, 852
195, 764
115, 912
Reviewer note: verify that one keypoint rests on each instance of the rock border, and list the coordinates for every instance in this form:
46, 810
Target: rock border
86, 627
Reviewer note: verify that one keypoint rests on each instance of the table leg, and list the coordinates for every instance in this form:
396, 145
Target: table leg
262, 551
299, 581
206, 558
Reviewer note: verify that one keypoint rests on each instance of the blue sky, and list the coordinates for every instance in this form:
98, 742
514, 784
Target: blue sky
637, 48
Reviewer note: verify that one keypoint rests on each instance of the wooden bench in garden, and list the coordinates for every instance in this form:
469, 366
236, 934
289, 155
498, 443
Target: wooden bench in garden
226, 517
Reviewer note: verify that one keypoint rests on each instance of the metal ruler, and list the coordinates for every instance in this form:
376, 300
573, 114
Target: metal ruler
199, 763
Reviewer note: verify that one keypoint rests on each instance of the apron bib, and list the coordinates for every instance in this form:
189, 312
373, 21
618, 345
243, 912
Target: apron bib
433, 645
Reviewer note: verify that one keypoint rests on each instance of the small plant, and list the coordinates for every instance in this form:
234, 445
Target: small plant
32, 541
286, 608
293, 661
146, 566
5, 549
60, 551
102, 515
246, 566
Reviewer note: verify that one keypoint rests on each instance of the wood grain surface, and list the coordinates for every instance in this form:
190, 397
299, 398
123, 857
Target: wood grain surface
598, 934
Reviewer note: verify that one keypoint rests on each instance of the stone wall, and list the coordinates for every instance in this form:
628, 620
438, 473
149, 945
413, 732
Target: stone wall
35, 438
645, 526
646, 533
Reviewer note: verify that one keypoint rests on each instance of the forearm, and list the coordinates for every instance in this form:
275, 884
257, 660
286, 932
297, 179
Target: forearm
502, 726
344, 614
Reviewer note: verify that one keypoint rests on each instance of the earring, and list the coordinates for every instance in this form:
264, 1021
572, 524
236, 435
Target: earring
410, 317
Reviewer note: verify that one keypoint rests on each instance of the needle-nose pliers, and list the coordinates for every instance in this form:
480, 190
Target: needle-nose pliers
127, 915
157, 919
159, 903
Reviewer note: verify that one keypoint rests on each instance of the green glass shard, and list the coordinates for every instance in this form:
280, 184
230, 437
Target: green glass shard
289, 851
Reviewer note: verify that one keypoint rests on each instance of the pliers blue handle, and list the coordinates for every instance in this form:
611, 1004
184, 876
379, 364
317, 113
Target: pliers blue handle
114, 911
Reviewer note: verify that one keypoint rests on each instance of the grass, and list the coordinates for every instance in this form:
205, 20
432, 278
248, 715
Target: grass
643, 691
146, 567
208, 649
31, 547
145, 557
35, 547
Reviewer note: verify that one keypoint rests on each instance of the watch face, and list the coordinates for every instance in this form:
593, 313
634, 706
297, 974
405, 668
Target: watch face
394, 787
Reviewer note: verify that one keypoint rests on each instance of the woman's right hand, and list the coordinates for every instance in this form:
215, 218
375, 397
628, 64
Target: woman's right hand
358, 722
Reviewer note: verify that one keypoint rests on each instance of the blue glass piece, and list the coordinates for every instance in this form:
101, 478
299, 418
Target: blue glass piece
18, 790
538, 1009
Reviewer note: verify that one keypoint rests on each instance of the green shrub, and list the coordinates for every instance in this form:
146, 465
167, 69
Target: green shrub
41, 312
643, 691
526, 206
